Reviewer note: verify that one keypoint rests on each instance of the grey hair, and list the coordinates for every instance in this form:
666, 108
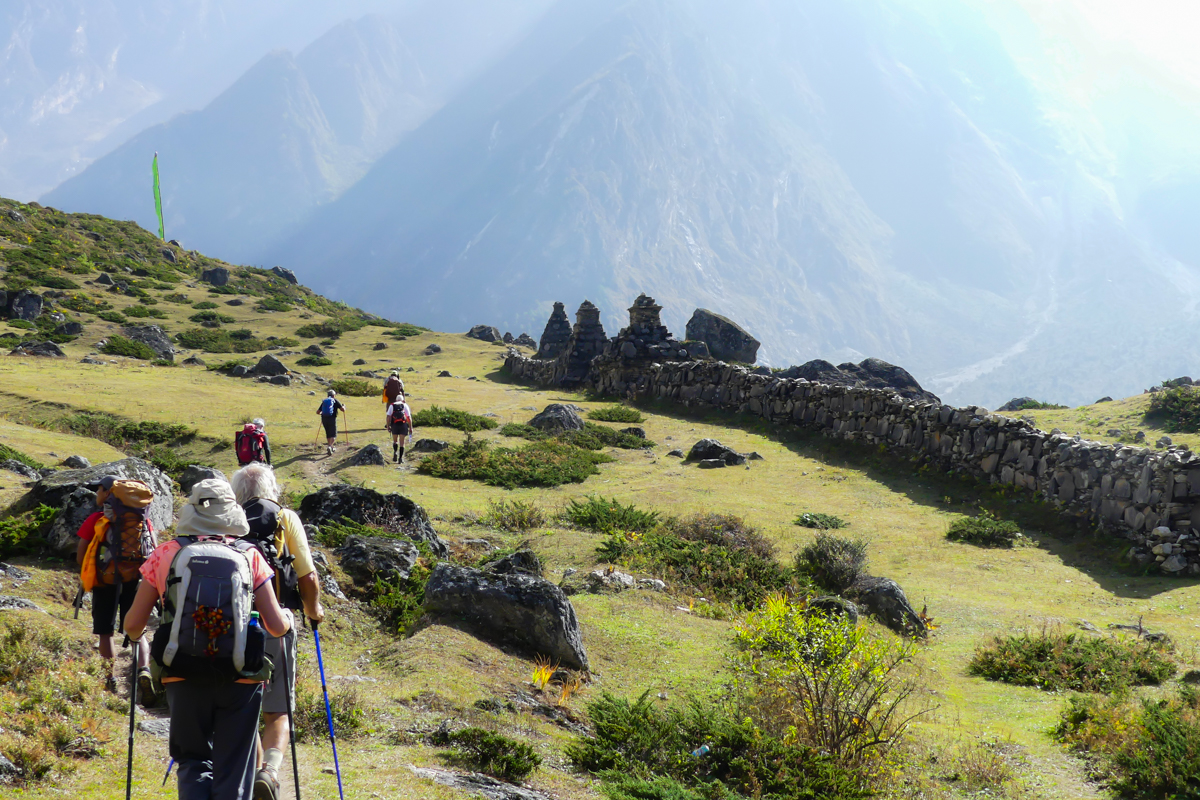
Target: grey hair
258, 421
255, 480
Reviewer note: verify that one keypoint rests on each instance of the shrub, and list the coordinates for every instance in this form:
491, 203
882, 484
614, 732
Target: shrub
349, 714
226, 366
402, 602
355, 387
314, 361
120, 346
181, 299
1057, 661
514, 515
824, 522
829, 682
218, 341
23, 534
718, 556
491, 753
536, 464
1176, 408
83, 304
112, 316
141, 312
272, 304
1151, 747
51, 281
405, 329
833, 563
125, 433
7, 453
1037, 405
203, 304
616, 413
330, 328
985, 531
607, 515
642, 751
592, 437
438, 417
211, 316
23, 324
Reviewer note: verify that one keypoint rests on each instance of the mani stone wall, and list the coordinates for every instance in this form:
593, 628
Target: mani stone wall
1151, 498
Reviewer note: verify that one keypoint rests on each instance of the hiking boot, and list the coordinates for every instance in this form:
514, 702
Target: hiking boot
145, 684
266, 785
329, 450
110, 683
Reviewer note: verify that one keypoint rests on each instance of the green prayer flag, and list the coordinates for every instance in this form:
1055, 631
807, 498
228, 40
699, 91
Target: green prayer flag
158, 199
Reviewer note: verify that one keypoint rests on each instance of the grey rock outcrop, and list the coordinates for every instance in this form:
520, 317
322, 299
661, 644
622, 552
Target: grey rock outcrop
20, 468
24, 305
428, 446
269, 365
366, 506
368, 558
1016, 403
478, 785
38, 350
67, 490
522, 562
217, 276
885, 600
69, 329
76, 462
557, 418
314, 350
193, 361
196, 473
870, 373
369, 456
525, 340
712, 450
556, 334
153, 337
433, 349
726, 339
286, 274
832, 605
484, 333
514, 610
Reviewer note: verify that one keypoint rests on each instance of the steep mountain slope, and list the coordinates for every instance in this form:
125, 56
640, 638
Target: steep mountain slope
838, 177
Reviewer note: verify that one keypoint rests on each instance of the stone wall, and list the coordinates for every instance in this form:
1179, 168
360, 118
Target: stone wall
1151, 498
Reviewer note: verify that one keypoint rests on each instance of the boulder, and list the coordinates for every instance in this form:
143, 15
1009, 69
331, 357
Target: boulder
369, 558
831, 605
711, 463
380, 346
217, 276
196, 473
432, 349
524, 612
476, 784
237, 301
270, 365
1105, 399
68, 490
193, 361
484, 333
428, 446
600, 580
557, 418
508, 338
522, 562
726, 340
239, 371
24, 305
20, 468
38, 350
884, 599
366, 506
525, 340
76, 462
286, 274
90, 360
711, 449
640, 433
369, 456
315, 350
153, 337
69, 329
10, 603
280, 380
1016, 403
445, 374
358, 362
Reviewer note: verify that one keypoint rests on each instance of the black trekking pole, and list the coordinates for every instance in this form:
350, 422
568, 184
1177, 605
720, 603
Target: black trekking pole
78, 600
287, 688
328, 710
132, 698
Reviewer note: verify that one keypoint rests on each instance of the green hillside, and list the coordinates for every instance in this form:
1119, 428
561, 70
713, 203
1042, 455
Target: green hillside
975, 736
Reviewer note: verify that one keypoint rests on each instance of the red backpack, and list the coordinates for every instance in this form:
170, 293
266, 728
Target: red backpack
249, 444
400, 414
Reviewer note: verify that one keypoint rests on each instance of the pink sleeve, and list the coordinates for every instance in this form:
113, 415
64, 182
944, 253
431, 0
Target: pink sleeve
260, 571
158, 566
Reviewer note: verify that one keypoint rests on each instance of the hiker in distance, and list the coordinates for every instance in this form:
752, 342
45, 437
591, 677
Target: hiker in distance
114, 542
398, 420
209, 650
279, 535
251, 443
329, 410
392, 387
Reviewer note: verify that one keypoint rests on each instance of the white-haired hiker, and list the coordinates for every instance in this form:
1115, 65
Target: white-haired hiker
207, 652
281, 536
251, 443
398, 420
328, 410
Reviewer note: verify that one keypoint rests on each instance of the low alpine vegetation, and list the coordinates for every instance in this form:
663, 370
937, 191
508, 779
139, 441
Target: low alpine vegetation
545, 463
609, 515
7, 453
1056, 661
438, 417
314, 361
22, 534
210, 319
350, 718
514, 515
491, 753
125, 433
833, 563
354, 387
986, 531
211, 340
819, 521
120, 346
616, 413
1176, 408
592, 437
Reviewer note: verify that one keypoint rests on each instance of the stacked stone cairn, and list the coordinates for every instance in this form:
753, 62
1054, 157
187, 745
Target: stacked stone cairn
557, 334
1150, 498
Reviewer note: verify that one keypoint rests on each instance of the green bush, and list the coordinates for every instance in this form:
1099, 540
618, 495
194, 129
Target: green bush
1037, 405
824, 522
82, 304
227, 366
272, 304
646, 752
141, 312
51, 281
23, 324
438, 417
402, 602
1057, 661
491, 753
405, 329
985, 531
23, 534
211, 316
714, 555
349, 714
112, 316
7, 453
616, 413
833, 563
536, 464
1176, 409
330, 328
219, 341
355, 387
592, 437
514, 515
120, 346
608, 515
125, 433
314, 361
203, 305
179, 299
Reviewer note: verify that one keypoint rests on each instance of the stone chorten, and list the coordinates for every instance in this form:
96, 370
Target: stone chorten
557, 335
646, 337
587, 341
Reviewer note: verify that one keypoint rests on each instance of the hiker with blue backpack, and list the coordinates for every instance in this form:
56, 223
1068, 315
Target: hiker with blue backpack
209, 652
328, 410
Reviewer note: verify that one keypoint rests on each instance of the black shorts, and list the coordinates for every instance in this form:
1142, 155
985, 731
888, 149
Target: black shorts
104, 607
401, 429
330, 424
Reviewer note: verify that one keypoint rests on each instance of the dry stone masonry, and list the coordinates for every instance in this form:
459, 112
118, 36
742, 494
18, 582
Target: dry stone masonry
1150, 498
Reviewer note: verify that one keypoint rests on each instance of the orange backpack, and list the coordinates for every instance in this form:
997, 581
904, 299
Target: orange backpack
127, 540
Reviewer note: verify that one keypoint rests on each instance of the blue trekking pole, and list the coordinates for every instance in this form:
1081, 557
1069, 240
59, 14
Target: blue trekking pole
167, 774
328, 711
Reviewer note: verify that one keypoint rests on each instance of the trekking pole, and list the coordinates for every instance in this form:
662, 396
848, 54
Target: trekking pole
317, 435
328, 712
167, 774
132, 698
346, 419
287, 688
78, 601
